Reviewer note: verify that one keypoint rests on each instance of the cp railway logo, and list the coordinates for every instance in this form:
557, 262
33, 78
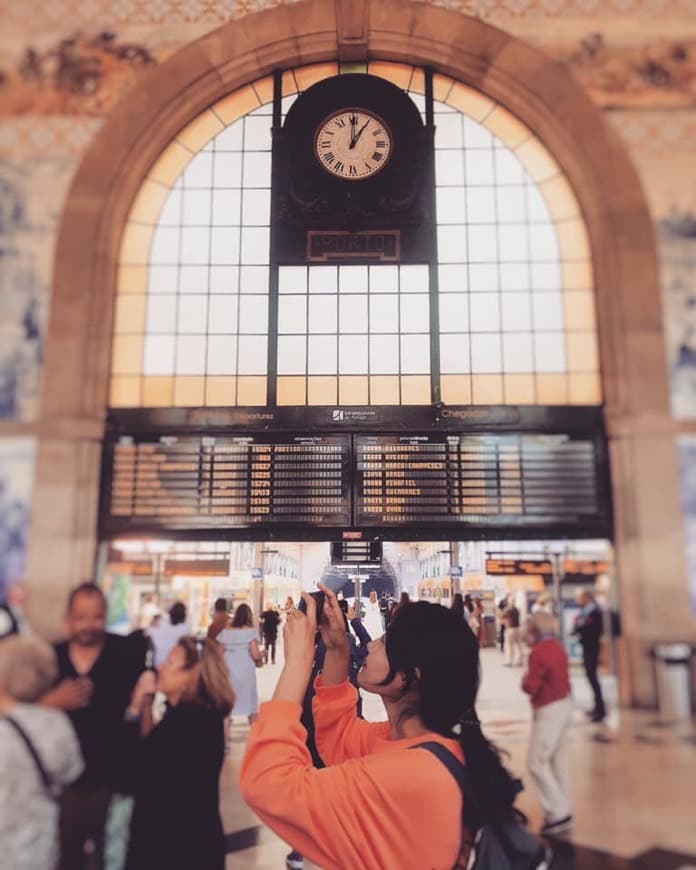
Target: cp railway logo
337, 415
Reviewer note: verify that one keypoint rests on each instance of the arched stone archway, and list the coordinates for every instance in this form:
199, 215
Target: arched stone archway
528, 83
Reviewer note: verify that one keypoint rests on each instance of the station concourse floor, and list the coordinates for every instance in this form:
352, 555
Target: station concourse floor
633, 781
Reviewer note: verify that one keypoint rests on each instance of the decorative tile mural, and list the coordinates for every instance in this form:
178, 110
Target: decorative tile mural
17, 457
687, 467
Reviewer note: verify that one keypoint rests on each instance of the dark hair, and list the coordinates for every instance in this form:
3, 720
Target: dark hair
458, 604
438, 655
177, 613
220, 605
85, 589
468, 603
404, 598
243, 617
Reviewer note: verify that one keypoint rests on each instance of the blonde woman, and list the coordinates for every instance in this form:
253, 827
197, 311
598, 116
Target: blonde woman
28, 809
176, 765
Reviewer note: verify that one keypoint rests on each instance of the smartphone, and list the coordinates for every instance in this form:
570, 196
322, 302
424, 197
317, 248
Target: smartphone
319, 598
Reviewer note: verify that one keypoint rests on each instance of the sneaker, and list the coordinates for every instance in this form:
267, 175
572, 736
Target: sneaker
294, 861
557, 827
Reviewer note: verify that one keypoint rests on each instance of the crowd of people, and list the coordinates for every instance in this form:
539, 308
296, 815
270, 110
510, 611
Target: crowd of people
111, 747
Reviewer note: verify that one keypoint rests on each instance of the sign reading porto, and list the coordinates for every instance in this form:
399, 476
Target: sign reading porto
338, 245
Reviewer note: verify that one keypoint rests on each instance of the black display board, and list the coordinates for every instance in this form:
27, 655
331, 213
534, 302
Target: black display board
356, 552
437, 486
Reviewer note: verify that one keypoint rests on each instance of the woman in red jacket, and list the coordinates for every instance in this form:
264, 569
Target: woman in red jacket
405, 803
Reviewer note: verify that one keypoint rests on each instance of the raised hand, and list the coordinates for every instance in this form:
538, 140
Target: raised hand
333, 628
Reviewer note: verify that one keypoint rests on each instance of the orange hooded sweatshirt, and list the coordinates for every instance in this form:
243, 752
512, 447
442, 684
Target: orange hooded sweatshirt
378, 805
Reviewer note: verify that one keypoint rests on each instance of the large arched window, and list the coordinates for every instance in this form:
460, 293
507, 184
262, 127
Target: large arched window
516, 303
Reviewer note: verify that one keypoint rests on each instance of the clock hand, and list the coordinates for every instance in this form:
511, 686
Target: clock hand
354, 139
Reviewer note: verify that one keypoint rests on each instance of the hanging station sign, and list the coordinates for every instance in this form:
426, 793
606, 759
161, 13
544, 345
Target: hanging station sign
519, 567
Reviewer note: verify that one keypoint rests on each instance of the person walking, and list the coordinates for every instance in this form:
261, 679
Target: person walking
97, 673
514, 654
425, 669
373, 622
270, 621
243, 655
165, 635
588, 629
221, 618
174, 767
548, 685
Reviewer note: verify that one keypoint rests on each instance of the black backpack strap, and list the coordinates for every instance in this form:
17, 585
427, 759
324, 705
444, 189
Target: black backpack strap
458, 771
43, 775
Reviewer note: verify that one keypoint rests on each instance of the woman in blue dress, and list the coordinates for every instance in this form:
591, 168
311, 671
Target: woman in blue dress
243, 655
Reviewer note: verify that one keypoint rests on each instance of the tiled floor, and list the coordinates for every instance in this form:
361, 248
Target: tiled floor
633, 783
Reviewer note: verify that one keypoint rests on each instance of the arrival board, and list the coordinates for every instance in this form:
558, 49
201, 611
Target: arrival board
482, 480
191, 482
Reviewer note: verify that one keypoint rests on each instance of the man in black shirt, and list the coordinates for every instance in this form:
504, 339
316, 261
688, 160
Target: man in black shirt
270, 620
97, 673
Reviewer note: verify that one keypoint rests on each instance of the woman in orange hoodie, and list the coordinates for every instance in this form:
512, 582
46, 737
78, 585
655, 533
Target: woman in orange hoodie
405, 803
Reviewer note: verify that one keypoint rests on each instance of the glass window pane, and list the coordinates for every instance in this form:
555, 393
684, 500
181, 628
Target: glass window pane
449, 168
415, 313
159, 355
481, 205
508, 167
255, 244
224, 279
454, 312
518, 352
292, 355
199, 171
516, 313
485, 312
323, 279
163, 279
257, 133
226, 208
352, 359
253, 314
322, 354
384, 354
537, 210
548, 311
224, 247
292, 314
352, 279
415, 354
476, 135
195, 245
514, 277
452, 278
451, 244
352, 316
256, 207
230, 139
193, 314
546, 276
165, 245
170, 216
511, 204
454, 354
484, 277
222, 355
448, 131
161, 314
254, 279
384, 279
414, 279
479, 167
451, 205
193, 279
483, 245
486, 354
384, 312
227, 170
549, 352
253, 354
190, 354
292, 279
513, 242
323, 313
543, 242
222, 314
257, 169
197, 208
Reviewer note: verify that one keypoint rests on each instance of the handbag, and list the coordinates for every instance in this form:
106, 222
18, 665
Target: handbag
52, 789
506, 845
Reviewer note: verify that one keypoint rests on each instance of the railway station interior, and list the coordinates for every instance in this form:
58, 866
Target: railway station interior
394, 296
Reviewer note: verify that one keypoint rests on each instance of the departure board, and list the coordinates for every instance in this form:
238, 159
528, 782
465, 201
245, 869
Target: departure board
189, 482
483, 480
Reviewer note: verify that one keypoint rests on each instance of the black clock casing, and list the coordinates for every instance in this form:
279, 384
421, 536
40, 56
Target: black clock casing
396, 201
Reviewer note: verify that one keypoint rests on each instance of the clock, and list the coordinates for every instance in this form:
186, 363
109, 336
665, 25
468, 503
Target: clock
353, 144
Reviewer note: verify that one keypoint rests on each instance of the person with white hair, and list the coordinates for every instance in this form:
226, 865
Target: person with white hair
39, 754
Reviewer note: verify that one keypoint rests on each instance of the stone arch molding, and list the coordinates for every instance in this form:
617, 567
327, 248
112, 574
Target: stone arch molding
542, 94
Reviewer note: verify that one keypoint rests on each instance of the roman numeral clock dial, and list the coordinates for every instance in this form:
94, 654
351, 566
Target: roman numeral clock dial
353, 144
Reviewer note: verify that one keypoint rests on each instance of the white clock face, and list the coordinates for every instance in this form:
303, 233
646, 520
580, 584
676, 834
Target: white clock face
353, 144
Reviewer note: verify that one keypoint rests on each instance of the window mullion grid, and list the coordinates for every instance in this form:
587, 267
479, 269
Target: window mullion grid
468, 263
530, 292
